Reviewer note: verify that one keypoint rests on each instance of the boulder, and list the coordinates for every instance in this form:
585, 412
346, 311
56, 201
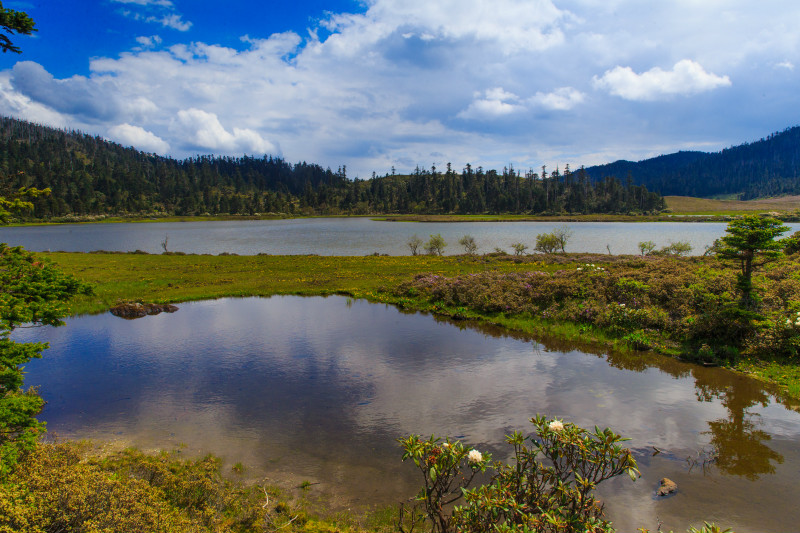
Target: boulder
667, 487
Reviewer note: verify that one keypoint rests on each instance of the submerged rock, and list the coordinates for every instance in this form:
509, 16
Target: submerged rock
667, 487
133, 310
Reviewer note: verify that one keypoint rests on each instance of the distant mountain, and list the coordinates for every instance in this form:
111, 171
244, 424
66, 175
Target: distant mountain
768, 167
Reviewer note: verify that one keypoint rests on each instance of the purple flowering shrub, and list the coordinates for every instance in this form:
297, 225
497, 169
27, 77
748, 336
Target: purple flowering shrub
688, 302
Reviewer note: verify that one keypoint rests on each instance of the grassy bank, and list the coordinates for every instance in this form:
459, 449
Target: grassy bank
679, 306
179, 278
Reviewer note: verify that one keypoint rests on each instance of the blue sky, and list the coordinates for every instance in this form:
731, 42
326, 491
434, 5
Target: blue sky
399, 83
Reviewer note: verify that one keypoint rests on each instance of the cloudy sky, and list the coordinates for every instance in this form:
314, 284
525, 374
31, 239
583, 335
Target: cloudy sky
384, 83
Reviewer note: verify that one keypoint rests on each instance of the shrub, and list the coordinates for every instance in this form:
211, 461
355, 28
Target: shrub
548, 487
436, 245
647, 247
468, 242
414, 242
676, 248
675, 303
54, 489
791, 244
547, 243
562, 235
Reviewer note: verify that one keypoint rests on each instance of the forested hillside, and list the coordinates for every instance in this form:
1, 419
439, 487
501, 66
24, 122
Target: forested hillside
91, 176
768, 167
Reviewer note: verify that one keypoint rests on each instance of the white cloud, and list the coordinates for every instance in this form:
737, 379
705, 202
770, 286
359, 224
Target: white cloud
167, 16
149, 41
562, 99
494, 103
173, 21
78, 95
161, 3
788, 65
685, 78
16, 104
514, 25
205, 131
139, 138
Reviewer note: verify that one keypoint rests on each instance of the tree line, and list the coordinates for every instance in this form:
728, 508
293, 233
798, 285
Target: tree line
88, 175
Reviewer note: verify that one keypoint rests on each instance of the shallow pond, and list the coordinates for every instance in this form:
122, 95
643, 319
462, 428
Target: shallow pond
318, 389
350, 236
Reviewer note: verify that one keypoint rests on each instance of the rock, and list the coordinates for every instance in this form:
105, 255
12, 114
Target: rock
667, 487
129, 310
133, 310
154, 309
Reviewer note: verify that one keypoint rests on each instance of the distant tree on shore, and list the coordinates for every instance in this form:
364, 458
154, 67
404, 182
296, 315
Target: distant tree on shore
436, 245
750, 241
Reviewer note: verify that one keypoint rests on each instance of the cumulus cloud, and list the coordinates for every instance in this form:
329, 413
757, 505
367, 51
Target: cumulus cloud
686, 78
562, 99
513, 25
15, 104
494, 103
788, 65
139, 138
77, 95
206, 132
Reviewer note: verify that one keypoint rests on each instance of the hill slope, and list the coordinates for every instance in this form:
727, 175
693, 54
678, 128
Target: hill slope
767, 167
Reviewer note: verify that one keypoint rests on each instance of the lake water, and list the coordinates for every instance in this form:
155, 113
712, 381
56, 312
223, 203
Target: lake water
318, 388
350, 236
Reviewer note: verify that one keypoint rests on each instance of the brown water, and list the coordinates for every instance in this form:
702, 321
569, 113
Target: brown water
318, 389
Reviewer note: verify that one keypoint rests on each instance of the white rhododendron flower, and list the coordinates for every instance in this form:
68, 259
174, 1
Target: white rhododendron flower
475, 456
556, 425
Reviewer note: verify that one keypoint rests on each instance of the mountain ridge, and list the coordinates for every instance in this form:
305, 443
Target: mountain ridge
766, 167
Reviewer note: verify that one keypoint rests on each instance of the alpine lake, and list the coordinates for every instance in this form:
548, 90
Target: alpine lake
318, 389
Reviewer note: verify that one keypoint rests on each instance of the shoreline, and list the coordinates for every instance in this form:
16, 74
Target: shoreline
454, 219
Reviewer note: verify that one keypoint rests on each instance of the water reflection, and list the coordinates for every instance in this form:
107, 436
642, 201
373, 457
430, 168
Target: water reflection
737, 442
739, 439
321, 387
